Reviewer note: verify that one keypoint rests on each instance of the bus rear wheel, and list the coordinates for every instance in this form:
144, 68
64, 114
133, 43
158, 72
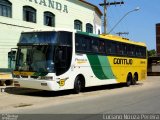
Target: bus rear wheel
129, 80
135, 79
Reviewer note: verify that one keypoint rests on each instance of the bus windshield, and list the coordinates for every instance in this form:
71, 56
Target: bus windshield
39, 37
41, 51
36, 58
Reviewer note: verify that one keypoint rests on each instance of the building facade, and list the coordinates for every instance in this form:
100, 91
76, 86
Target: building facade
20, 15
158, 39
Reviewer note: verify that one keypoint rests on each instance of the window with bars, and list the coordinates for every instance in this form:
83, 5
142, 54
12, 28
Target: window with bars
89, 28
29, 14
78, 25
49, 19
5, 8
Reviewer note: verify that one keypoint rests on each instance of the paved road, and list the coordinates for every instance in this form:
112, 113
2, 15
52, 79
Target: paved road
141, 98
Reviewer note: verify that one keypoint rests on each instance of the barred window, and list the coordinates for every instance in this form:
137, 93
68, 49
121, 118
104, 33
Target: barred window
49, 19
29, 14
5, 8
78, 25
89, 28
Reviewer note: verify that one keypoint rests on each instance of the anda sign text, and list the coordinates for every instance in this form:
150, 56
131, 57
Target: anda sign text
51, 4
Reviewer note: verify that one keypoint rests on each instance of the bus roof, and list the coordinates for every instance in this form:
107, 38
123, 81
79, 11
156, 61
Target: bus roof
114, 38
89, 34
49, 30
104, 36
121, 39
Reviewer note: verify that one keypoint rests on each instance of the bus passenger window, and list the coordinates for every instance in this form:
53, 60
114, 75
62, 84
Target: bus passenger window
108, 47
118, 49
94, 48
138, 52
94, 45
124, 49
129, 50
113, 48
143, 52
78, 45
101, 47
84, 44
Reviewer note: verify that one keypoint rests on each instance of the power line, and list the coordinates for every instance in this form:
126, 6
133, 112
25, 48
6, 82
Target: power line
122, 33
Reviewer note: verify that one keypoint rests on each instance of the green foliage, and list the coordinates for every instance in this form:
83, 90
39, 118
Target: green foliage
152, 53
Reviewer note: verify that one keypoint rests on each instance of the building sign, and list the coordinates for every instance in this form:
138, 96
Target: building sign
51, 4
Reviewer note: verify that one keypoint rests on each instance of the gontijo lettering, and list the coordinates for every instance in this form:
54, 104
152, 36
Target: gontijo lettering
123, 61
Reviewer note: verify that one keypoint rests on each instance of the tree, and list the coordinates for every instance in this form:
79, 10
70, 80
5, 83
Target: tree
152, 53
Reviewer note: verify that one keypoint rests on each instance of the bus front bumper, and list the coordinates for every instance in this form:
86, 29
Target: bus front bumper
49, 85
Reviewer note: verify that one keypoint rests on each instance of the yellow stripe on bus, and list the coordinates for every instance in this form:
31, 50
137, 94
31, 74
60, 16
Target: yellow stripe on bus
23, 73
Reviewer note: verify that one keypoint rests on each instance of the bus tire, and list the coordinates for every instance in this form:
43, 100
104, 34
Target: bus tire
129, 80
79, 84
135, 79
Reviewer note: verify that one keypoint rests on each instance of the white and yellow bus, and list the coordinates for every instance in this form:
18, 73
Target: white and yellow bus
59, 60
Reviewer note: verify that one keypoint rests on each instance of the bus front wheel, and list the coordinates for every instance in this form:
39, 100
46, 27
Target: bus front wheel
77, 85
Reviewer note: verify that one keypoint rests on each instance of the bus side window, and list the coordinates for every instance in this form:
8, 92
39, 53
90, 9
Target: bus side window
118, 49
124, 49
78, 44
84, 44
113, 48
94, 45
144, 52
130, 50
133, 50
79, 40
101, 47
138, 54
108, 47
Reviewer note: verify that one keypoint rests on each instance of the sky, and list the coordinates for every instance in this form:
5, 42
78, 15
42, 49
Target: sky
140, 24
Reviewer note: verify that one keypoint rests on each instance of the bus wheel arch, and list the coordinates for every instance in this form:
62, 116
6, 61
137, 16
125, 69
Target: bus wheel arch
129, 79
135, 78
79, 83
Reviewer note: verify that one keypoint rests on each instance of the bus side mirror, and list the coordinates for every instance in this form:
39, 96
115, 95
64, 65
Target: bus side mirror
12, 58
13, 54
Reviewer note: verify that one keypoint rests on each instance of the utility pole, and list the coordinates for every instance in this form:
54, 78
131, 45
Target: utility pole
105, 15
105, 4
122, 33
